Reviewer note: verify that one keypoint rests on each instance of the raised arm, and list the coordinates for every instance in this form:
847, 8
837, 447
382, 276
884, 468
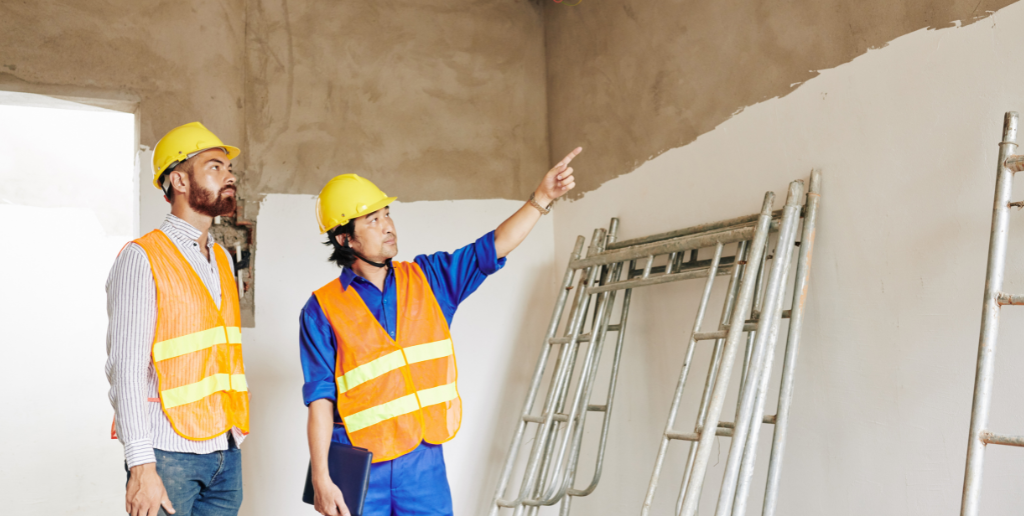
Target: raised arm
556, 183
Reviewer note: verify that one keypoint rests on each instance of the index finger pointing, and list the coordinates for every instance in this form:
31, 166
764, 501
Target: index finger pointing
565, 161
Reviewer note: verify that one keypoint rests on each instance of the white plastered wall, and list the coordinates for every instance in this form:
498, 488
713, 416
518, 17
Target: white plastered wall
906, 137
496, 332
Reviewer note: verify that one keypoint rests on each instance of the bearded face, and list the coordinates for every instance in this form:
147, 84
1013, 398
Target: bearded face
207, 202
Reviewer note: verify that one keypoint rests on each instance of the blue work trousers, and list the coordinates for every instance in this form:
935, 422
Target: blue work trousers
415, 484
202, 484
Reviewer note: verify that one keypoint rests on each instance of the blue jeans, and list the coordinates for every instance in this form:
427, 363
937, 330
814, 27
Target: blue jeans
202, 485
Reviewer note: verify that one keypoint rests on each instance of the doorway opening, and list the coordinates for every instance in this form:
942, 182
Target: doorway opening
68, 203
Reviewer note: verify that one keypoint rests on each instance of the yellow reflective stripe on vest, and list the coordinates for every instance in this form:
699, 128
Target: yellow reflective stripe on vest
439, 394
392, 361
370, 370
203, 388
382, 412
424, 352
197, 341
400, 407
238, 383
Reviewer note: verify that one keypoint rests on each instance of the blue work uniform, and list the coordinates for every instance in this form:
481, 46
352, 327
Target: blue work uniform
414, 484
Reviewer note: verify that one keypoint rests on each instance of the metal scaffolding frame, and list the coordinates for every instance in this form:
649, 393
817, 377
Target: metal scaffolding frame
753, 306
994, 298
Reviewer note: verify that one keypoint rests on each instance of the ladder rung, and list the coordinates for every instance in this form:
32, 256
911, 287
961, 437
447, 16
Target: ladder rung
729, 424
695, 436
1015, 163
597, 408
614, 327
540, 419
689, 265
786, 314
658, 279
1005, 440
584, 337
721, 334
1010, 299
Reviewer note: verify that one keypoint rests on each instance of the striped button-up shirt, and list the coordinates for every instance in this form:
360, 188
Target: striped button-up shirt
131, 306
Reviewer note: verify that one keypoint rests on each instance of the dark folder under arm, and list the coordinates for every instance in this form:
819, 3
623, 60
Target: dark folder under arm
350, 470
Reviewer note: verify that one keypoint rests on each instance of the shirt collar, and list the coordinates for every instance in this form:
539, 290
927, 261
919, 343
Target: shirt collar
347, 277
182, 231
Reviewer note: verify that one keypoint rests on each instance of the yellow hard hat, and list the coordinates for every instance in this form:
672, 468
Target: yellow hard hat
348, 197
182, 143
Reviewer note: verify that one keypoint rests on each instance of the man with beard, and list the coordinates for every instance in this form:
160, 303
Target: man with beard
177, 383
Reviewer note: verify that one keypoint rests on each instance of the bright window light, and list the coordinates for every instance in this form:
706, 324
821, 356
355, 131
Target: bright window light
67, 205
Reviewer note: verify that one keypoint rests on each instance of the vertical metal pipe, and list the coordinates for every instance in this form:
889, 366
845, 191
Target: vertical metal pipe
716, 359
538, 374
573, 432
609, 403
563, 377
769, 314
781, 266
626, 297
578, 304
989, 320
663, 448
597, 332
755, 311
538, 465
796, 318
706, 441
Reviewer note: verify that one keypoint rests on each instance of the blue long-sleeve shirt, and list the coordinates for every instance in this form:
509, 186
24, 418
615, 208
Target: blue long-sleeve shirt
452, 276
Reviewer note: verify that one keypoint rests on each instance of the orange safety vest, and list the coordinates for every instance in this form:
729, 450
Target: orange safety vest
394, 393
197, 349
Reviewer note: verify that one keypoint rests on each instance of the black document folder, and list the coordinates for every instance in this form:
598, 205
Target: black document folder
350, 470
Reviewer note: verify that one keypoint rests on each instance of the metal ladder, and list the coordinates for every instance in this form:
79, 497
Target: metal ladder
759, 291
551, 465
994, 299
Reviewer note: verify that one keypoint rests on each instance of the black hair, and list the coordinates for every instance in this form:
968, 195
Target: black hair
343, 256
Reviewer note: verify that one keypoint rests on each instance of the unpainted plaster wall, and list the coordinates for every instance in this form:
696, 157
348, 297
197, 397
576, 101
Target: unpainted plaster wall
437, 99
631, 79
433, 99
184, 61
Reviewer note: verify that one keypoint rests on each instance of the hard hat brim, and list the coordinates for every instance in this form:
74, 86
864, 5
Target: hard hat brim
379, 205
231, 151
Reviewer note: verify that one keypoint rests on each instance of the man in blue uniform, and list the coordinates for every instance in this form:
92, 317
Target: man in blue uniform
354, 214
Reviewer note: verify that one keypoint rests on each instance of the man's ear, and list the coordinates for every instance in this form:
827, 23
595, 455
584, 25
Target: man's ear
179, 181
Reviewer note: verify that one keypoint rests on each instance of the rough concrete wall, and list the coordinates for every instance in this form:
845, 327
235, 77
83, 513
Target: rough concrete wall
181, 60
629, 80
435, 99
